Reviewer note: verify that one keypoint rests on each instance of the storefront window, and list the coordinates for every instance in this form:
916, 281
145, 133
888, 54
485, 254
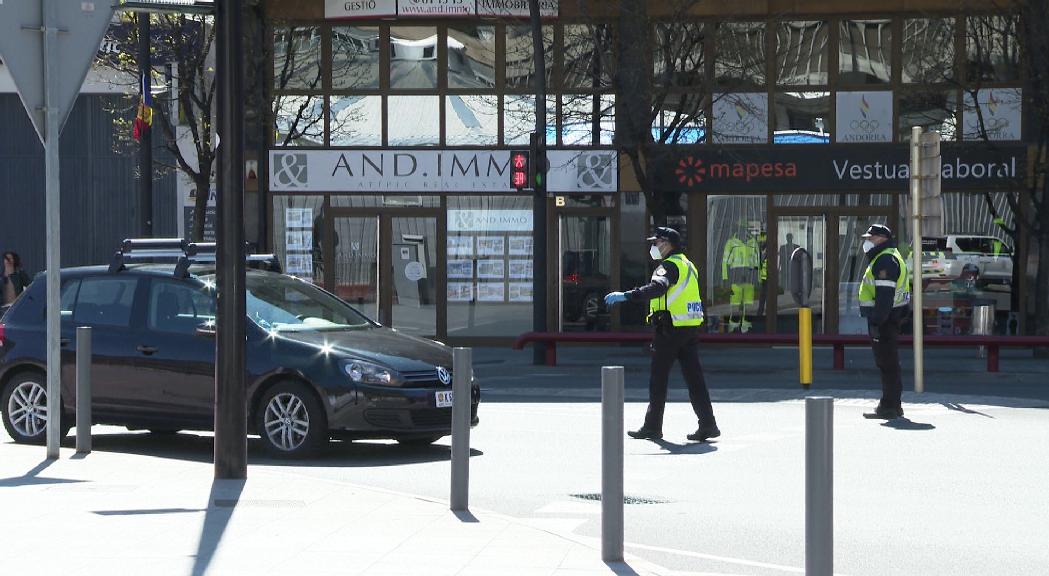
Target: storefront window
489, 266
471, 56
801, 53
471, 120
577, 119
992, 114
928, 50
298, 120
736, 263
413, 58
413, 120
932, 110
588, 56
520, 59
805, 200
682, 120
356, 120
740, 54
802, 118
865, 52
519, 119
385, 201
297, 58
355, 57
678, 54
992, 49
607, 110
298, 236
867, 200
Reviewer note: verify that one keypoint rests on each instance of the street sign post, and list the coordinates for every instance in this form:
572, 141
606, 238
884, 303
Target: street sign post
48, 46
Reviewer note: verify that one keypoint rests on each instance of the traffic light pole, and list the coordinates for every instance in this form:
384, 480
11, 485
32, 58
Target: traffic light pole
539, 300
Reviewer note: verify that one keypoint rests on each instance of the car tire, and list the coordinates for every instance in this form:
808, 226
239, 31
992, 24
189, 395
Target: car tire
418, 441
291, 421
28, 392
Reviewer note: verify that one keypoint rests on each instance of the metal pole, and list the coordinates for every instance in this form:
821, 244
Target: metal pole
83, 390
819, 486
145, 147
231, 443
612, 463
539, 304
53, 196
805, 345
461, 400
916, 259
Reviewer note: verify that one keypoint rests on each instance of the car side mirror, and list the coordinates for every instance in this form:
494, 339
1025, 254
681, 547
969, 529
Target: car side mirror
801, 276
206, 329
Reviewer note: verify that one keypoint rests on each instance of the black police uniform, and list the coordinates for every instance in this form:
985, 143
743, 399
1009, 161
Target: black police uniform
668, 344
883, 326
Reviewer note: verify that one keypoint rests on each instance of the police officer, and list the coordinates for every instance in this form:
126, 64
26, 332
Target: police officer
885, 297
676, 311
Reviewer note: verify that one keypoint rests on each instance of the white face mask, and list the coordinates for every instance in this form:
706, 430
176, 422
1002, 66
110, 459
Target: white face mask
867, 245
655, 253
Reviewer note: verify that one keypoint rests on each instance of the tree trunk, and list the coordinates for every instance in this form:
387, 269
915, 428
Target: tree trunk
200, 205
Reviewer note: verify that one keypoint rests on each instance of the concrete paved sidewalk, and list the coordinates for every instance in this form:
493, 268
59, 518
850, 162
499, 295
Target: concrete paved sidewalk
113, 513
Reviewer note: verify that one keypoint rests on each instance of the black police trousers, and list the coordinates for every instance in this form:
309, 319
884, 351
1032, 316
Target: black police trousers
885, 343
668, 345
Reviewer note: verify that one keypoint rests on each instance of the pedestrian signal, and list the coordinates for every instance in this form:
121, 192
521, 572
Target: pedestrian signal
520, 161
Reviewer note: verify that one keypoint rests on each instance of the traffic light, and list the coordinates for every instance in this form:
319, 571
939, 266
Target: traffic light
520, 169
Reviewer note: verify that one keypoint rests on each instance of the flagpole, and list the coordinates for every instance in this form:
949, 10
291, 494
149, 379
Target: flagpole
144, 129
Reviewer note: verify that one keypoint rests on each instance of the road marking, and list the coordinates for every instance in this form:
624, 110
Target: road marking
724, 559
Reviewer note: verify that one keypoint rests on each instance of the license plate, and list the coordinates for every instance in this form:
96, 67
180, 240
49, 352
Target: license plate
444, 398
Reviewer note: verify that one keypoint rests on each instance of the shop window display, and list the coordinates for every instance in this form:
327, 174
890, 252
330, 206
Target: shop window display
736, 263
298, 236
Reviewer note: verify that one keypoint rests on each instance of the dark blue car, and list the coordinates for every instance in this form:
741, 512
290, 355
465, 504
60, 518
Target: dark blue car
317, 368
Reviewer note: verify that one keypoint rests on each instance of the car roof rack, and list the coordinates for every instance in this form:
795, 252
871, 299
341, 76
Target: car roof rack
183, 253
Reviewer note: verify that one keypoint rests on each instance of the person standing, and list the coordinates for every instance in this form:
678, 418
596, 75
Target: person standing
885, 297
676, 311
14, 280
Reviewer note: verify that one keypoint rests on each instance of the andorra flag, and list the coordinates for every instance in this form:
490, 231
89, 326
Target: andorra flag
144, 117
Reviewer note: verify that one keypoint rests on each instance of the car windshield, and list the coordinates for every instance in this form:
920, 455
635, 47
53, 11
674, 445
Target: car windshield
281, 303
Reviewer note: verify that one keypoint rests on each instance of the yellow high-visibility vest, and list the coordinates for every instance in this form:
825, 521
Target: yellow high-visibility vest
682, 298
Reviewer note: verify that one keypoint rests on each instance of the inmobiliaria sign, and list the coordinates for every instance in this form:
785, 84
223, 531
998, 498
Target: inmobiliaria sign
831, 168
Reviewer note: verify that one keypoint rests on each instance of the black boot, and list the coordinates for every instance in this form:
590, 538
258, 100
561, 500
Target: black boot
643, 433
883, 413
704, 433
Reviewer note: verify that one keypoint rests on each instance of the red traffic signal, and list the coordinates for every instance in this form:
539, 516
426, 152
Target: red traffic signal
520, 167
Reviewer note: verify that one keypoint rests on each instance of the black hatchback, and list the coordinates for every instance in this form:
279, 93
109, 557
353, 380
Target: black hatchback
316, 367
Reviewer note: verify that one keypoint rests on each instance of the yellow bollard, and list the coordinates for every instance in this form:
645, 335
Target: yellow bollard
805, 344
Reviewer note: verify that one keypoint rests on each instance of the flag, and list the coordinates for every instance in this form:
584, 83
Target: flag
144, 117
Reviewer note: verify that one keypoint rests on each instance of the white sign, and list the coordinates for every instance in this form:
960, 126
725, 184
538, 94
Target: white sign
436, 7
359, 8
863, 117
741, 118
489, 220
414, 271
516, 8
1000, 109
582, 171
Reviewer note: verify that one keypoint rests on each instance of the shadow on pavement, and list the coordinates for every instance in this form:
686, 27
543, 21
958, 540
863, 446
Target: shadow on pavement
148, 511
673, 448
465, 516
907, 424
200, 448
223, 500
963, 409
621, 569
32, 477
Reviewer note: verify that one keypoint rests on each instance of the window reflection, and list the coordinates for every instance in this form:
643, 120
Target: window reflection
356, 120
303, 214
298, 120
520, 60
413, 120
297, 58
413, 57
471, 119
519, 119
865, 53
577, 119
801, 53
588, 56
741, 52
678, 54
932, 110
736, 255
928, 50
471, 56
607, 110
992, 50
801, 118
355, 57
682, 120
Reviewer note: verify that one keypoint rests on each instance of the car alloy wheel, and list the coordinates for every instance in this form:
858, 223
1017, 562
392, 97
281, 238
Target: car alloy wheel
287, 421
27, 409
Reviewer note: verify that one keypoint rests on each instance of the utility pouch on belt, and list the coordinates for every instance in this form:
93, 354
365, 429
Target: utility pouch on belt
662, 319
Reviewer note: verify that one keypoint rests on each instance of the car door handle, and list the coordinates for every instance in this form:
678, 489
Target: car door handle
147, 350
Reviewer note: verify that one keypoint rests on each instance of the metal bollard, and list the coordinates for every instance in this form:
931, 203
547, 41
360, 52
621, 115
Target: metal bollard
612, 463
461, 399
819, 486
83, 390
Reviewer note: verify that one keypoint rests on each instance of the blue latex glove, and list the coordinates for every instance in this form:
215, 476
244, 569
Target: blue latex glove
614, 298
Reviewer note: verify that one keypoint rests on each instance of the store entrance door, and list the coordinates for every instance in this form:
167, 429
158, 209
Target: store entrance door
586, 268
389, 264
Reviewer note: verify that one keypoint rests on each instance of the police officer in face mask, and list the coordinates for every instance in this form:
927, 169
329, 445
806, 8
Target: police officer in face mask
676, 311
885, 297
